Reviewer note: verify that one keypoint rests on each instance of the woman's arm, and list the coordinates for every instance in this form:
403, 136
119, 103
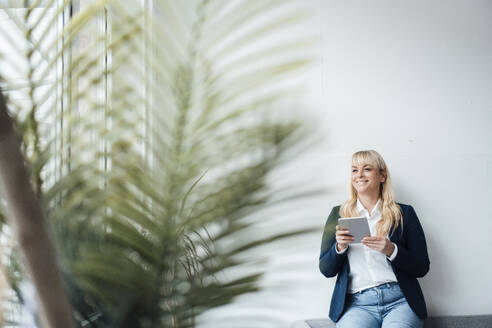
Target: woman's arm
330, 261
412, 258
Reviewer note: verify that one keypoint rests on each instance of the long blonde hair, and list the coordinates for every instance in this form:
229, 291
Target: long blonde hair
391, 215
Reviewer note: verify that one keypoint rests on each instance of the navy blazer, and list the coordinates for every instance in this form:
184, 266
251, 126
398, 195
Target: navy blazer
410, 263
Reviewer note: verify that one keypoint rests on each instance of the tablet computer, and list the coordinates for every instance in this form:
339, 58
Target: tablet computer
358, 227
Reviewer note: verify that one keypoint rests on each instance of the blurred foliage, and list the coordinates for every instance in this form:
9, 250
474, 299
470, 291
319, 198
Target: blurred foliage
158, 149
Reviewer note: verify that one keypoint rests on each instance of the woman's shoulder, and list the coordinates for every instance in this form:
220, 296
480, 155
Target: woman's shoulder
404, 207
407, 211
336, 208
335, 212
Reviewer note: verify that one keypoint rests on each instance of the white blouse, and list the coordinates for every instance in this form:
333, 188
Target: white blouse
368, 267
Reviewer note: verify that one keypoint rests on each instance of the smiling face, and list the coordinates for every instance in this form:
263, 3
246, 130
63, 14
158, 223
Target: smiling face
366, 178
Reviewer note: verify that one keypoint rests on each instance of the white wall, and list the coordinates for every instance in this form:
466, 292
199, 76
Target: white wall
412, 80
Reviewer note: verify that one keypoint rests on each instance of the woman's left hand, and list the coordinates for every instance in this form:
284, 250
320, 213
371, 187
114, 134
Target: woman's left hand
380, 244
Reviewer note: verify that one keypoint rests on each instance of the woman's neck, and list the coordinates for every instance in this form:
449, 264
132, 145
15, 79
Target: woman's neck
368, 200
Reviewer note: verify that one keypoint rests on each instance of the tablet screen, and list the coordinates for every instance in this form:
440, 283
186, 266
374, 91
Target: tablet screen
358, 227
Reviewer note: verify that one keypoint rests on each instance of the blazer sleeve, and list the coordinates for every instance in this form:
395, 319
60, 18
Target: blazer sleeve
330, 262
412, 257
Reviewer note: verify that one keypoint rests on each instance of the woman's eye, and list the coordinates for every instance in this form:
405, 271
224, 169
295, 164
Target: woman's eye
368, 169
354, 170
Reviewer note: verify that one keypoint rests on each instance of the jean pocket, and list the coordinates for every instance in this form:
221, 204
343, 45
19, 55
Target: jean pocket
394, 286
354, 298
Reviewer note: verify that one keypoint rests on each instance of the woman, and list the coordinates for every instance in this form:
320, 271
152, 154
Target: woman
377, 279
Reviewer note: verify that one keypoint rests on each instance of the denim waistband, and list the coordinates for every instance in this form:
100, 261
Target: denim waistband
385, 285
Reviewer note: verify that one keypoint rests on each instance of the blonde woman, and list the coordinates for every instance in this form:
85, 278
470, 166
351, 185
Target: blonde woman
377, 279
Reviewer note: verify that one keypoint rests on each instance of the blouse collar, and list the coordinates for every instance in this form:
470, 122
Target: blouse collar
374, 211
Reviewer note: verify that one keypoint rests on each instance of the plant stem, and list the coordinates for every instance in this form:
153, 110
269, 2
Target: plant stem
25, 215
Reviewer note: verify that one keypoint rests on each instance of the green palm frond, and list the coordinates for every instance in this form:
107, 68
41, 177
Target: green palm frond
160, 150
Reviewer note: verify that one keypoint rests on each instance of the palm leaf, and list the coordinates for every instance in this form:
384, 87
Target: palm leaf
158, 161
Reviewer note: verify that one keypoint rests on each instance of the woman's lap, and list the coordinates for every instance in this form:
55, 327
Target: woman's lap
402, 316
358, 317
382, 306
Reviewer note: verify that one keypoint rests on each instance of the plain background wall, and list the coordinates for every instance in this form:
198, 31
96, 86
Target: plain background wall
412, 80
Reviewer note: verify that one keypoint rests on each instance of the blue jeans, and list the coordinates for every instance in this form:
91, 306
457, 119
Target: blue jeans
383, 306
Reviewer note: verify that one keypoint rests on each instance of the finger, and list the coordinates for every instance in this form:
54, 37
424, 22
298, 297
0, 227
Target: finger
372, 243
372, 239
340, 228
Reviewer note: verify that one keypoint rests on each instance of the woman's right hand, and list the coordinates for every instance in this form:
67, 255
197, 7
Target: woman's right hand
343, 237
